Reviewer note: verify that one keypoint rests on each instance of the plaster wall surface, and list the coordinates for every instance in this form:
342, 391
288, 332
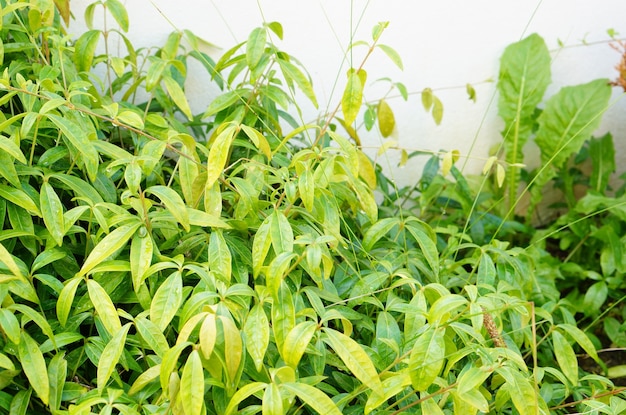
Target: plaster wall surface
444, 45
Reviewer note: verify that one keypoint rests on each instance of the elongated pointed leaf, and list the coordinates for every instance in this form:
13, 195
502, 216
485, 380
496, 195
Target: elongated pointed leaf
7, 259
178, 96
19, 198
85, 49
272, 401
386, 119
427, 358
152, 336
233, 346
261, 245
108, 246
34, 366
218, 154
257, 332
141, 248
292, 73
296, 342
77, 137
167, 301
565, 357
173, 203
65, 300
52, 211
57, 373
192, 385
522, 393
104, 307
144, 379
313, 397
352, 98
255, 46
111, 355
281, 233
355, 359
119, 13
243, 393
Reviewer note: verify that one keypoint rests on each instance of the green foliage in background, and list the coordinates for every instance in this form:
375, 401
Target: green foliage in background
158, 261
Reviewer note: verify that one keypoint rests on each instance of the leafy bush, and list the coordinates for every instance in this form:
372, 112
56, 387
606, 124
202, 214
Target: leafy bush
159, 261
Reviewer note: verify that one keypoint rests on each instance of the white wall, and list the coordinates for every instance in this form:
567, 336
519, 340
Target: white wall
444, 44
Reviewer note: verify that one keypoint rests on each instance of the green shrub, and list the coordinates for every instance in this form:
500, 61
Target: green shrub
159, 261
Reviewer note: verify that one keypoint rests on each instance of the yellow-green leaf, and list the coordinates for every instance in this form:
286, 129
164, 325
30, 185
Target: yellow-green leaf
313, 397
296, 342
355, 359
152, 336
257, 332
173, 203
427, 358
7, 259
85, 49
565, 357
108, 246
427, 98
392, 54
192, 385
141, 248
52, 211
12, 149
272, 403
178, 96
233, 346
111, 355
208, 335
65, 300
352, 97
218, 154
167, 300
34, 366
437, 110
255, 46
104, 307
144, 379
386, 119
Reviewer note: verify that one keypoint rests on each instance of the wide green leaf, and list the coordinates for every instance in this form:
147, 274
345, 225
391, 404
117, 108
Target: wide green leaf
427, 358
52, 212
297, 341
255, 46
565, 357
85, 49
257, 332
167, 300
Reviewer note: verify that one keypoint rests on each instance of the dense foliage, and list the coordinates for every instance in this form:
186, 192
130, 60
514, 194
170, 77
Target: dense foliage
158, 261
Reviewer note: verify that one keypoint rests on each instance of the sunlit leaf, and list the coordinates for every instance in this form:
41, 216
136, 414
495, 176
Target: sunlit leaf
192, 385
104, 307
109, 245
111, 355
167, 300
352, 97
427, 358
34, 366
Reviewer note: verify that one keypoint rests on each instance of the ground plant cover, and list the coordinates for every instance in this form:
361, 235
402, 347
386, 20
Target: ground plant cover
154, 260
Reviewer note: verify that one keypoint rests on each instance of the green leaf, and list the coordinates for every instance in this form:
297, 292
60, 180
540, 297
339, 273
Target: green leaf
296, 342
131, 118
377, 231
173, 203
19, 198
243, 393
218, 154
425, 238
568, 120
34, 366
152, 336
602, 155
257, 332
468, 384
167, 300
104, 307
10, 325
208, 336
427, 358
565, 357
57, 373
277, 28
261, 245
85, 49
224, 101
521, 391
281, 233
52, 212
111, 355
178, 96
20, 402
109, 245
192, 385
427, 98
12, 149
595, 297
272, 403
441, 309
77, 137
292, 73
141, 248
255, 47
352, 97
144, 379
429, 406
7, 259
313, 397
119, 13
220, 258
65, 300
355, 359
581, 338
259, 140
392, 54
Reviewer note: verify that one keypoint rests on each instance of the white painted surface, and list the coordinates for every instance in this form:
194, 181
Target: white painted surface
444, 45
